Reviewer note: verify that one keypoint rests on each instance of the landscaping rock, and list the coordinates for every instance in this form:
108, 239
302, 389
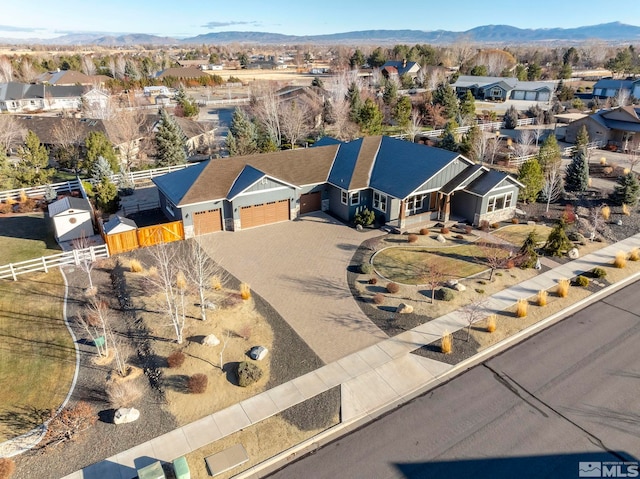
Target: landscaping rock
573, 253
258, 353
404, 309
125, 415
619, 222
531, 223
248, 373
460, 287
210, 305
441, 239
210, 340
359, 228
577, 238
451, 283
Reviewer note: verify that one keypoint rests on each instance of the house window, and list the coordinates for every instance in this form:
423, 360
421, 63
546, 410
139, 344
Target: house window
355, 198
169, 208
507, 200
414, 203
496, 92
380, 202
344, 196
499, 202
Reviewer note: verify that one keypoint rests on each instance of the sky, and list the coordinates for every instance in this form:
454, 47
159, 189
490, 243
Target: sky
186, 18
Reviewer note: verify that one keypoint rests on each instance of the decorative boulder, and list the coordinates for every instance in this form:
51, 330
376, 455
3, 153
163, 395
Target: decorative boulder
531, 223
619, 222
460, 287
248, 373
359, 228
125, 415
451, 283
210, 305
258, 353
441, 239
577, 238
404, 309
210, 340
573, 253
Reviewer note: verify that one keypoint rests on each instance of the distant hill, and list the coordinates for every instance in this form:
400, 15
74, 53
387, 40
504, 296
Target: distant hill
491, 34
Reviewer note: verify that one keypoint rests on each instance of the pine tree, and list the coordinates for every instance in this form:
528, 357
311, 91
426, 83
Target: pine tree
355, 101
468, 106
101, 169
549, 154
445, 96
243, 135
6, 173
558, 242
469, 140
97, 145
530, 174
448, 141
169, 142
106, 196
577, 177
511, 118
390, 93
627, 190
370, 118
32, 169
528, 254
402, 112
582, 140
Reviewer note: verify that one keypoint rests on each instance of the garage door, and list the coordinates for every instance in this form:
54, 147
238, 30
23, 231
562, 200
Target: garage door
310, 202
264, 214
207, 221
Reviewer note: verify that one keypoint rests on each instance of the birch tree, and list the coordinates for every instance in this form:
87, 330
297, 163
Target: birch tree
294, 121
553, 186
201, 270
266, 110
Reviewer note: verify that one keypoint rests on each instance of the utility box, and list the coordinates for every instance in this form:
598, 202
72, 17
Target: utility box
152, 471
181, 468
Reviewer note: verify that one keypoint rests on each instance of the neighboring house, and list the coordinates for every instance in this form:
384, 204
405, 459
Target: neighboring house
397, 69
199, 136
71, 77
187, 73
156, 90
619, 127
118, 224
403, 183
95, 103
27, 97
610, 88
502, 89
72, 218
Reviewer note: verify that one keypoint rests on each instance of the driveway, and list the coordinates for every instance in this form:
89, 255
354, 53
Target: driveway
299, 267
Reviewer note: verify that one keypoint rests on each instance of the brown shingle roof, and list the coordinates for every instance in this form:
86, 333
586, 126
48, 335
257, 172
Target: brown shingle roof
364, 163
187, 72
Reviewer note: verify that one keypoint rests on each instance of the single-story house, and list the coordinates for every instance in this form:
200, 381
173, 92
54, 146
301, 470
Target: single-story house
71, 77
618, 126
186, 73
502, 89
72, 218
27, 97
404, 183
392, 69
610, 88
119, 224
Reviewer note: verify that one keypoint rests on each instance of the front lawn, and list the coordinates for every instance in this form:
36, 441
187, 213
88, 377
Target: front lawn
37, 355
25, 237
408, 265
516, 234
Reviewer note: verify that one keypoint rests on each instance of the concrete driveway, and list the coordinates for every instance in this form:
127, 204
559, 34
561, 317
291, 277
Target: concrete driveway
299, 267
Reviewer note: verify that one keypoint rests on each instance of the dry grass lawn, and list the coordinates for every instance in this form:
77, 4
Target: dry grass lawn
37, 355
516, 234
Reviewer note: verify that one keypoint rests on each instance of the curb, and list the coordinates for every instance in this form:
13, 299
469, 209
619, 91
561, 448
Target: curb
314, 443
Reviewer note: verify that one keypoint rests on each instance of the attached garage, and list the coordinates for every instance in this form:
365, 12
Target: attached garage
264, 214
310, 202
208, 221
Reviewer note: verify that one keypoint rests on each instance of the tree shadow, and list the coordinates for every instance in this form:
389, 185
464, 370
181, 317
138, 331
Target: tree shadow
347, 246
177, 382
231, 371
21, 419
106, 415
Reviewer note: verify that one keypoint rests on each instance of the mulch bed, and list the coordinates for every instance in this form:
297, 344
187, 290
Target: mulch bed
462, 348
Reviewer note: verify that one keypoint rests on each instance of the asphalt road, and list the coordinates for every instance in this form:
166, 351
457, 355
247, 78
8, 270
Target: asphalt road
567, 395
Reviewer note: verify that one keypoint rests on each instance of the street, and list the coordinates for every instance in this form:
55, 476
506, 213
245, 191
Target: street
565, 396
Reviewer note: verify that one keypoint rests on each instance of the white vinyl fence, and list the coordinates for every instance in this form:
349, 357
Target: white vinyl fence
45, 263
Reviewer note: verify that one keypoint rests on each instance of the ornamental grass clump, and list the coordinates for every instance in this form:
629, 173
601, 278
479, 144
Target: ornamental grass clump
521, 308
634, 254
492, 323
446, 343
621, 260
541, 299
563, 288
245, 291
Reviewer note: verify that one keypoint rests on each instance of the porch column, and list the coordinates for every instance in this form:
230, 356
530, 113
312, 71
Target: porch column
403, 214
447, 207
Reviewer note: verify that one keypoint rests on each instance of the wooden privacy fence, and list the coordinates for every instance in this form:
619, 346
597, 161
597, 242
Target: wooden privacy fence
45, 263
142, 237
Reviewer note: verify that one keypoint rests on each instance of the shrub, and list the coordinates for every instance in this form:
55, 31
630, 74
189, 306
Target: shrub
393, 288
176, 359
27, 205
569, 214
444, 230
245, 291
515, 220
582, 281
495, 226
541, 299
366, 268
7, 467
521, 308
626, 171
607, 170
373, 280
621, 260
216, 283
563, 288
123, 393
510, 264
479, 290
634, 254
606, 213
468, 229
598, 272
6, 208
248, 373
135, 266
424, 231
365, 217
378, 298
484, 225
626, 210
446, 343
492, 323
445, 294
460, 237
412, 238
603, 161
68, 423
197, 383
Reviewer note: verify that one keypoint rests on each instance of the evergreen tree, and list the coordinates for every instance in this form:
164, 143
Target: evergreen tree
448, 141
530, 174
101, 169
377, 58
33, 167
353, 95
528, 254
627, 190
577, 177
469, 142
169, 141
317, 82
370, 118
468, 106
402, 112
6, 175
558, 242
187, 107
242, 138
357, 59
445, 96
105, 196
390, 93
98, 145
479, 71
549, 155
582, 140
511, 118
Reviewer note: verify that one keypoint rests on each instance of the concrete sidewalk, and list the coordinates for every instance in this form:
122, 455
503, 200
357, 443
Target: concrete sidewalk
372, 379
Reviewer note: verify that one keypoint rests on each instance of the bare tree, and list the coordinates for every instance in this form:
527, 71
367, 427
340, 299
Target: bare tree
474, 311
537, 133
495, 256
88, 66
68, 138
623, 97
225, 340
553, 184
11, 133
95, 321
120, 66
28, 72
127, 129
491, 150
266, 109
433, 275
294, 121
6, 70
85, 258
201, 270
415, 125
523, 145
68, 423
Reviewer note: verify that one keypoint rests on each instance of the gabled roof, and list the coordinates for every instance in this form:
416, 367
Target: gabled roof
469, 81
70, 77
27, 91
482, 185
119, 222
603, 117
463, 178
401, 67
614, 84
68, 203
247, 177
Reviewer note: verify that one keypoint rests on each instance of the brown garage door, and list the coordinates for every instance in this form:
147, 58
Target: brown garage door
207, 221
264, 214
310, 202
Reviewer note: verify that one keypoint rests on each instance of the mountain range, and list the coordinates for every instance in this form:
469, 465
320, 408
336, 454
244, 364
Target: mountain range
614, 32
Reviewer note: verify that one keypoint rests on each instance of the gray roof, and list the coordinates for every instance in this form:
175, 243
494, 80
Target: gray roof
117, 221
488, 181
68, 203
401, 66
27, 91
615, 84
468, 81
463, 177
176, 185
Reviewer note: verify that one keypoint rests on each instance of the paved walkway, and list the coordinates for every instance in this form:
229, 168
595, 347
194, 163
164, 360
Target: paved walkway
309, 291
371, 379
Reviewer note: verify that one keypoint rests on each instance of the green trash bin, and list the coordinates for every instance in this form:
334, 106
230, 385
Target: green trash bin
181, 468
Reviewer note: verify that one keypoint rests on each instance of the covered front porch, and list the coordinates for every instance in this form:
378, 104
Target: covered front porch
415, 213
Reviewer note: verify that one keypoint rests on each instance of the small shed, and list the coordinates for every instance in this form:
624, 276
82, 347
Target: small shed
72, 218
118, 224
